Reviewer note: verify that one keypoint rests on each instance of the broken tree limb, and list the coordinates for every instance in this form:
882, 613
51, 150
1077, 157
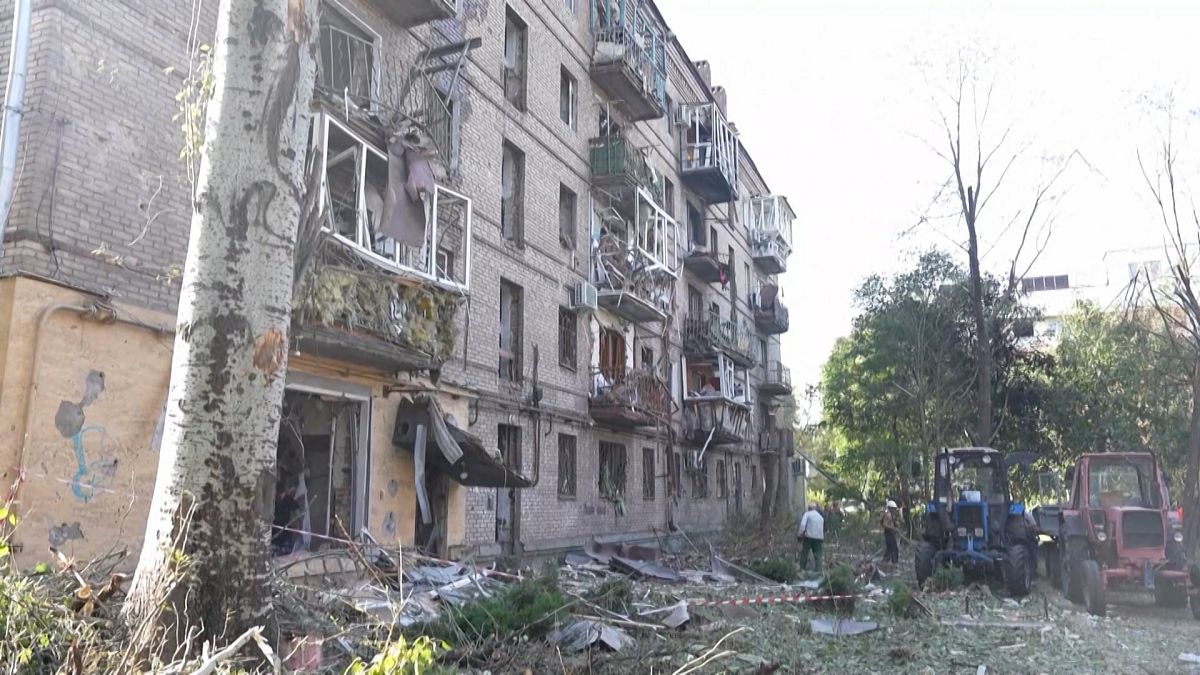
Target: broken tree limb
620, 622
210, 665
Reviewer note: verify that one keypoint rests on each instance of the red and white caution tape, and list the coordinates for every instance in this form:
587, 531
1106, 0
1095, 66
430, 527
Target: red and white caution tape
771, 600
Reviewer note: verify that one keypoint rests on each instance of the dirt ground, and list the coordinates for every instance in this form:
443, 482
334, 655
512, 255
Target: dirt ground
1042, 633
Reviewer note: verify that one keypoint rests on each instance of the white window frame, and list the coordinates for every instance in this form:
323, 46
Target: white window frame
663, 250
392, 263
376, 41
567, 77
731, 375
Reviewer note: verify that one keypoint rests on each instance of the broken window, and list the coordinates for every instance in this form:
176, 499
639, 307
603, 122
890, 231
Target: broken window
648, 474
669, 197
612, 355
568, 98
567, 338
748, 281
567, 216
657, 233
516, 43
695, 301
512, 189
347, 59
722, 485
612, 470
320, 478
733, 283
511, 331
753, 480
647, 357
566, 465
700, 481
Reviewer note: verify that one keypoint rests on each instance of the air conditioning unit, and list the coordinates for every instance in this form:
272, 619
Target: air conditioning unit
584, 296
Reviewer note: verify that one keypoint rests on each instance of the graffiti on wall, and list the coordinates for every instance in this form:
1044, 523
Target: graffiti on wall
95, 466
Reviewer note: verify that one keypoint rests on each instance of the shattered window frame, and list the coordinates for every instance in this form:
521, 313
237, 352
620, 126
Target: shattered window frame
648, 475
568, 446
512, 312
512, 198
344, 34
568, 339
612, 476
516, 59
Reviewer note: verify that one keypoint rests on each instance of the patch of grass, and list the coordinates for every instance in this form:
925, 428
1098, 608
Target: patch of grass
778, 569
526, 608
946, 579
900, 599
615, 595
37, 625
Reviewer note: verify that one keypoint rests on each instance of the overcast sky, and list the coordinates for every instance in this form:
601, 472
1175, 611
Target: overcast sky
833, 103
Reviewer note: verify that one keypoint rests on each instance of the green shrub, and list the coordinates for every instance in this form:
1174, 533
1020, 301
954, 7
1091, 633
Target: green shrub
782, 570
839, 581
401, 656
615, 595
900, 599
946, 579
528, 607
37, 625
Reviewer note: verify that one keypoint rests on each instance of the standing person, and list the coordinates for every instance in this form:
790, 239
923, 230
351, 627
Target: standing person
891, 536
812, 536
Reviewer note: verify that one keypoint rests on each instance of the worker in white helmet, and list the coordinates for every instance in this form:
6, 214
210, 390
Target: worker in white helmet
891, 533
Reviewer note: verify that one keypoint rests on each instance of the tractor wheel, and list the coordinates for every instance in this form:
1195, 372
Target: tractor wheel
1167, 594
1093, 591
924, 562
1070, 560
1016, 570
1053, 566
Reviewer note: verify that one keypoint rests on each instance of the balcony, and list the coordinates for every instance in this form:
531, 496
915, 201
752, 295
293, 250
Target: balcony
777, 380
770, 314
708, 335
630, 283
709, 154
622, 170
707, 265
714, 421
628, 400
769, 219
410, 13
629, 59
777, 441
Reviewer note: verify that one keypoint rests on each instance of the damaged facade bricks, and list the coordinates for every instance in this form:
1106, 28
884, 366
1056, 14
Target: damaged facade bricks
592, 302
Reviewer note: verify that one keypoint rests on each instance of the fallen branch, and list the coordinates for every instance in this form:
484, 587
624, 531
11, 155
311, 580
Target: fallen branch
709, 656
222, 655
620, 622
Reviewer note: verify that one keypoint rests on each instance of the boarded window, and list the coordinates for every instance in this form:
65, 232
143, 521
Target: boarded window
511, 331
612, 470
566, 465
648, 474
512, 194
722, 484
516, 44
567, 338
567, 216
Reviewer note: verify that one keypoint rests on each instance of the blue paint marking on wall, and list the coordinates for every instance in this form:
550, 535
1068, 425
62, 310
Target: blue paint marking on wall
96, 474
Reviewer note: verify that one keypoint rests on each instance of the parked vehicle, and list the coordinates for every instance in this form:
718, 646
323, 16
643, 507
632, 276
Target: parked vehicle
1116, 529
972, 522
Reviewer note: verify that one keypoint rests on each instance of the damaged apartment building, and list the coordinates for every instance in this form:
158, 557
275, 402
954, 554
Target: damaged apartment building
537, 297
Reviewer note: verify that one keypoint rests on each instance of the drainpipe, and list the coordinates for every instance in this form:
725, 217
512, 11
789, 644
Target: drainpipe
14, 108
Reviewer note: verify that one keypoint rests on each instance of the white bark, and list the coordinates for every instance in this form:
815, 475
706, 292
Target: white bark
218, 449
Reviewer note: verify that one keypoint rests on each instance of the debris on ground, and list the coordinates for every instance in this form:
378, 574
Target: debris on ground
842, 626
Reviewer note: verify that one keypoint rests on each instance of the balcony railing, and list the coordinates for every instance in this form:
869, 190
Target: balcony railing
770, 314
430, 108
777, 380
630, 283
769, 219
629, 62
710, 334
709, 266
616, 163
629, 399
715, 421
778, 441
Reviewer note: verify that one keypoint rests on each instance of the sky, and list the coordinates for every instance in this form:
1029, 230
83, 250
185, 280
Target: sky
837, 101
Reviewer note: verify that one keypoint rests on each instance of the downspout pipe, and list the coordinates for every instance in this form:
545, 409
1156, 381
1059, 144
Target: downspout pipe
14, 109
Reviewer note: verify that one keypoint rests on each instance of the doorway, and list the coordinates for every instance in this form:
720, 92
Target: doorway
508, 505
321, 468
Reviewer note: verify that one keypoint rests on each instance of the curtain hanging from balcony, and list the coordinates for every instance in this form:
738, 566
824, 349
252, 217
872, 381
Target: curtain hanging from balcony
409, 193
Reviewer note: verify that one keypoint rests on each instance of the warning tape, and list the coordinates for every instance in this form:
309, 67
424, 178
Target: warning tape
772, 600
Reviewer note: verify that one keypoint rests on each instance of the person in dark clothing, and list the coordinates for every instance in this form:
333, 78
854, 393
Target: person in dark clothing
891, 533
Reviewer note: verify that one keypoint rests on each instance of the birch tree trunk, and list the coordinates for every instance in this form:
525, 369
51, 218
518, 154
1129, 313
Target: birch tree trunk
204, 561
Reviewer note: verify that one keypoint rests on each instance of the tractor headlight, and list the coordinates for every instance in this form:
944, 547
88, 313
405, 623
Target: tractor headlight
1178, 537
1101, 536
979, 532
962, 531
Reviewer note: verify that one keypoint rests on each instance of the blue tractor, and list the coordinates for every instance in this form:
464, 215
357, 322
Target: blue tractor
972, 522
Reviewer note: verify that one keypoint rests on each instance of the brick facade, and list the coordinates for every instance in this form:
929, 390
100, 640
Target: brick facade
102, 204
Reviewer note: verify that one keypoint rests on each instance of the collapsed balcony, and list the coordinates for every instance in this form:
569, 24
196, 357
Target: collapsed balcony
709, 154
629, 59
777, 380
714, 421
628, 399
629, 283
708, 266
380, 275
769, 219
709, 335
410, 13
770, 314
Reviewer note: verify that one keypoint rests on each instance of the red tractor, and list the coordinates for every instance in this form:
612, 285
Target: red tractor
1116, 531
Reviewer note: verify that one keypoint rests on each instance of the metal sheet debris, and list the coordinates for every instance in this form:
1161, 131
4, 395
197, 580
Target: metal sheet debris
583, 634
646, 569
842, 626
